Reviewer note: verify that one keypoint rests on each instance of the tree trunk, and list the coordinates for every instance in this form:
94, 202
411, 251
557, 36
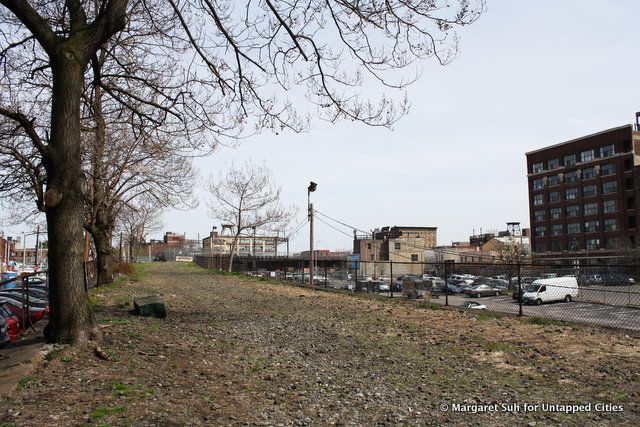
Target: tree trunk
70, 318
233, 250
104, 257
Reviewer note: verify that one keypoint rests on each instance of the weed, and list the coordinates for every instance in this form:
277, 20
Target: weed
543, 321
112, 354
66, 359
123, 390
25, 382
430, 306
104, 411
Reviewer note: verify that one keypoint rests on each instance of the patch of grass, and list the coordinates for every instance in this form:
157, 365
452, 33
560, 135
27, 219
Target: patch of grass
543, 321
66, 359
498, 346
130, 391
430, 306
25, 382
112, 354
488, 316
259, 364
104, 411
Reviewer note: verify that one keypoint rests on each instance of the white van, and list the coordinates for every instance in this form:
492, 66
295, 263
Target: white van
554, 289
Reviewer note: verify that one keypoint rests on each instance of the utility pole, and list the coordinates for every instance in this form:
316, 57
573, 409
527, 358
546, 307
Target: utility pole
35, 262
310, 189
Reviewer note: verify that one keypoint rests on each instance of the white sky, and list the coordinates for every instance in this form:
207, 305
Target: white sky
530, 74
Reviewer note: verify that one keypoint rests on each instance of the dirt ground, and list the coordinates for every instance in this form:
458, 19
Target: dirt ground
239, 351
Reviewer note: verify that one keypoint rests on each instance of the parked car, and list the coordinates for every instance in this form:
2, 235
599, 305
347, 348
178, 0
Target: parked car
474, 305
548, 290
12, 321
482, 291
617, 280
593, 279
4, 333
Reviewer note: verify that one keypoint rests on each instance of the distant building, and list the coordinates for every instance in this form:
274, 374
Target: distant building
584, 196
248, 244
404, 245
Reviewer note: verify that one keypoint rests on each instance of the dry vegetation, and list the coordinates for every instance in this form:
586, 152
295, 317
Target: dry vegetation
236, 350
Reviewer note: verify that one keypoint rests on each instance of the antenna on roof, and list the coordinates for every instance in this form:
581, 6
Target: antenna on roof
638, 121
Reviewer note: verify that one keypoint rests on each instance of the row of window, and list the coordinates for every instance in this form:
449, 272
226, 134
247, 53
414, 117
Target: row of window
575, 244
608, 206
610, 224
572, 159
608, 187
569, 177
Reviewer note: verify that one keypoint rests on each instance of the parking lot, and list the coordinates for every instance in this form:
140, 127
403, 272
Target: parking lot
577, 311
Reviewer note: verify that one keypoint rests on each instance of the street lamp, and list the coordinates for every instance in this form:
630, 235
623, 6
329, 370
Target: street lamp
311, 188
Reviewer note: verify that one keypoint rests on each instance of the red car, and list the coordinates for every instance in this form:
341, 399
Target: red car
12, 323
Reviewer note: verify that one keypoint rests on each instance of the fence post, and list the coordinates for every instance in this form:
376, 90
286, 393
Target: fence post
325, 272
447, 263
391, 278
519, 293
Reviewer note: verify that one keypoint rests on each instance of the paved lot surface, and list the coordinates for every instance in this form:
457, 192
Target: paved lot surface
581, 312
239, 351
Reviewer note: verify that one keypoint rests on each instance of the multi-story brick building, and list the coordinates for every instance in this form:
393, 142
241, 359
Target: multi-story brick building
584, 195
405, 246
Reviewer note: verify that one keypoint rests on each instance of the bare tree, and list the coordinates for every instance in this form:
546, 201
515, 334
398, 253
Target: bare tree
136, 222
226, 67
247, 198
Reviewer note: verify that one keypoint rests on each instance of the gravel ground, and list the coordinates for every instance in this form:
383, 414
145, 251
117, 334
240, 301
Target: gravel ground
238, 351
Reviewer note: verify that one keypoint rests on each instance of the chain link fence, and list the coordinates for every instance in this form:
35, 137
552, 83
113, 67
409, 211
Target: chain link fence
596, 294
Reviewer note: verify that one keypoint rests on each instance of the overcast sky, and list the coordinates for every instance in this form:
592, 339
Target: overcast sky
530, 74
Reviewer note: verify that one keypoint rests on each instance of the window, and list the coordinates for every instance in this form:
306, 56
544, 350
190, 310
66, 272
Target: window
609, 187
368, 245
556, 229
538, 215
628, 164
591, 226
590, 208
553, 180
607, 169
570, 160
537, 167
587, 156
609, 206
538, 199
574, 244
414, 257
571, 193
538, 183
573, 228
397, 246
373, 257
553, 164
611, 243
589, 190
593, 244
628, 183
588, 173
554, 196
541, 247
556, 245
570, 177
607, 151
610, 224
555, 213
540, 231
572, 210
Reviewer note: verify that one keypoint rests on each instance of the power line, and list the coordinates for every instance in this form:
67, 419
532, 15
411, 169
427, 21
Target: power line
342, 223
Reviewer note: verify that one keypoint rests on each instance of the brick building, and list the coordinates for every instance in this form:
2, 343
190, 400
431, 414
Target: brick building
583, 196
